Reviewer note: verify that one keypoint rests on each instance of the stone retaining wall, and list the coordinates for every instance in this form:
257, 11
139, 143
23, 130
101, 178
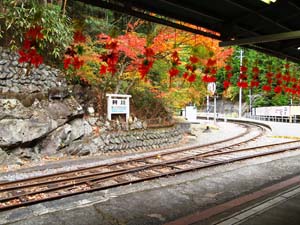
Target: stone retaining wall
133, 140
13, 75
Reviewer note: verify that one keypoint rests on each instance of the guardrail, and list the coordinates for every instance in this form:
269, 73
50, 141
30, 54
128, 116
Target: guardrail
282, 119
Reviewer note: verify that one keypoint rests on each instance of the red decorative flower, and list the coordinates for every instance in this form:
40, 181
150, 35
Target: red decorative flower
79, 37
31, 56
27, 44
145, 67
34, 33
111, 45
270, 81
213, 71
243, 69
255, 70
209, 79
149, 52
229, 75
226, 84
254, 83
175, 58
242, 84
185, 75
77, 63
266, 88
28, 53
269, 75
278, 76
194, 59
190, 67
277, 89
67, 63
228, 68
243, 76
211, 62
192, 78
103, 69
286, 78
173, 72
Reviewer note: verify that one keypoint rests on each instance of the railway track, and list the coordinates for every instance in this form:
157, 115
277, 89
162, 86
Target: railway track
29, 191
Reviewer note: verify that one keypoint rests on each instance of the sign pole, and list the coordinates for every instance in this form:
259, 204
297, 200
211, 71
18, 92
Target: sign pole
241, 92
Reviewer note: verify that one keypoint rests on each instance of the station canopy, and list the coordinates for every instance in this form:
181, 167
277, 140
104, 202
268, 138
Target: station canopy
269, 26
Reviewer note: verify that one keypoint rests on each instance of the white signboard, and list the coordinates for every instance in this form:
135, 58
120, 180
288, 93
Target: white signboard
273, 111
118, 104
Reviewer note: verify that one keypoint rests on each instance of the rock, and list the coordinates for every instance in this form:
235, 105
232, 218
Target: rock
91, 110
8, 159
17, 131
92, 120
32, 88
25, 153
58, 139
66, 109
3, 75
81, 147
15, 89
80, 128
58, 93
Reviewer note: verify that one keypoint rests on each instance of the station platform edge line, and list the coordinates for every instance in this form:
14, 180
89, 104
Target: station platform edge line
208, 213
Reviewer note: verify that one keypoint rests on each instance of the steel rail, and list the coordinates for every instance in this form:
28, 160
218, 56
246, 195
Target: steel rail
10, 185
92, 183
93, 179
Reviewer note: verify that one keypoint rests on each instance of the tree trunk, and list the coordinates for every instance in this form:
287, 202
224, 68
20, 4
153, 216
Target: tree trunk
119, 81
63, 6
130, 86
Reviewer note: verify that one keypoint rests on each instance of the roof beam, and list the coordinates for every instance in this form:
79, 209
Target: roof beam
232, 2
145, 16
262, 39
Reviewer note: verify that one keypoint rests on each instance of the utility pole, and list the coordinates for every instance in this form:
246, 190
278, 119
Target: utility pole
240, 94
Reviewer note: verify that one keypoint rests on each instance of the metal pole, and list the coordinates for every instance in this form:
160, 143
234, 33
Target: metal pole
240, 94
250, 102
207, 106
215, 109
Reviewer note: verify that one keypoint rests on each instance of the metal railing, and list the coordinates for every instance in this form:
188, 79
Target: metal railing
282, 119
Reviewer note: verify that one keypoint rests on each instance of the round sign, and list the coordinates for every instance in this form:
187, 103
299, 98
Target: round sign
211, 87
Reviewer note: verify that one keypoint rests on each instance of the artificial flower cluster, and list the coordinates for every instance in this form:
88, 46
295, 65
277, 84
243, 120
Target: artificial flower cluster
190, 74
255, 81
110, 58
71, 55
210, 71
29, 51
242, 82
173, 72
147, 62
226, 82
